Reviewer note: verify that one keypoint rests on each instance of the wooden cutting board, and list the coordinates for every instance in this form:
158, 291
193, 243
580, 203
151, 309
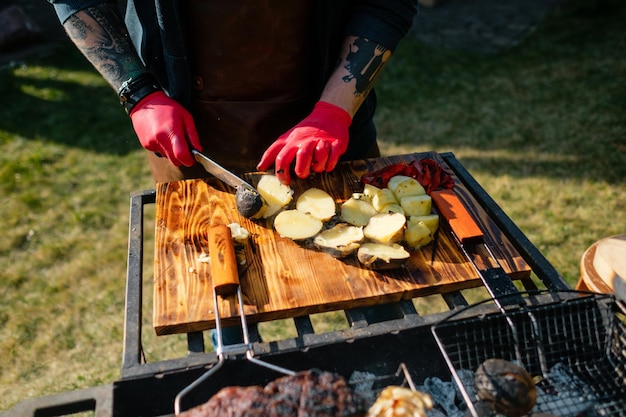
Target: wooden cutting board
281, 279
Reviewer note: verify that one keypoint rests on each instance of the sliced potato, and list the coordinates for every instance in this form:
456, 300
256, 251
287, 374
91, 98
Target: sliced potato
381, 256
416, 205
382, 198
357, 212
430, 220
417, 233
318, 203
385, 228
340, 241
296, 225
403, 186
275, 194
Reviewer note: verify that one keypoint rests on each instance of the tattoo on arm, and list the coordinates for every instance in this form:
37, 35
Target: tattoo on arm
363, 63
101, 36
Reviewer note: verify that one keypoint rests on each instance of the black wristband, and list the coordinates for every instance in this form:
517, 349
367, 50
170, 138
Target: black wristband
136, 88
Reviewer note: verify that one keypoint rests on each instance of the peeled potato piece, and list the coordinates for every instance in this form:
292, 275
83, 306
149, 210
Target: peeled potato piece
340, 241
318, 203
357, 212
430, 220
239, 233
381, 256
296, 225
403, 186
275, 194
417, 233
385, 228
416, 205
370, 191
382, 198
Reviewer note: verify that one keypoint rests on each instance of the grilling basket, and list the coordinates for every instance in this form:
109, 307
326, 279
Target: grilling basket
574, 348
557, 353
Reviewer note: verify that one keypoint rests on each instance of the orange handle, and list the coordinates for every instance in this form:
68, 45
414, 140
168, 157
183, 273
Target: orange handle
460, 220
223, 261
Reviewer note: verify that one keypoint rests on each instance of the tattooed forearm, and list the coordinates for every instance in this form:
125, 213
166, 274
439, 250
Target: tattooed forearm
364, 61
101, 36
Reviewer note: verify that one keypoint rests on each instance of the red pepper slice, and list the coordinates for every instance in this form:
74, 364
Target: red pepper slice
427, 172
380, 178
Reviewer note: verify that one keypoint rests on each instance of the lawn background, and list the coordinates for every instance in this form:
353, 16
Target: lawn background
541, 126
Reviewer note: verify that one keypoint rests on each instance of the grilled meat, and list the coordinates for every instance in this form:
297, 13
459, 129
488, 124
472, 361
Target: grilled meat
311, 393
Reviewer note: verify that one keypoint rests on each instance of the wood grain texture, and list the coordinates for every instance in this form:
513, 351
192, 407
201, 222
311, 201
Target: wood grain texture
280, 278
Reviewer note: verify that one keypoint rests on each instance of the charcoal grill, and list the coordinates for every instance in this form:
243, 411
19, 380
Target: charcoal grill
380, 348
574, 346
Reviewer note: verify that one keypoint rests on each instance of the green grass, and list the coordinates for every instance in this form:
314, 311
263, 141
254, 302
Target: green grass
542, 127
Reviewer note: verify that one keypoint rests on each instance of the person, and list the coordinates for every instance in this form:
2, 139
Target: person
253, 84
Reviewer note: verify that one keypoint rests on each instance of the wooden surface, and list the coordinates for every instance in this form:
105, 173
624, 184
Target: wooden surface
282, 279
603, 263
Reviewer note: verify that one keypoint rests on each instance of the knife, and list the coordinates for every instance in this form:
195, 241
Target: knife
249, 202
471, 240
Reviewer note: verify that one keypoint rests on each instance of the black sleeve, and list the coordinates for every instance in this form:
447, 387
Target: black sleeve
385, 22
66, 8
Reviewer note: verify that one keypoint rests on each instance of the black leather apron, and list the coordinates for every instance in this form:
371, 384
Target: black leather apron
254, 67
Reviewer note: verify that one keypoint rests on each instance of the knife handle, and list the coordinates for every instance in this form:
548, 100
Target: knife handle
224, 272
459, 219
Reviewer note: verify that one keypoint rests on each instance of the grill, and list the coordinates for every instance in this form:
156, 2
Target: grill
376, 349
574, 346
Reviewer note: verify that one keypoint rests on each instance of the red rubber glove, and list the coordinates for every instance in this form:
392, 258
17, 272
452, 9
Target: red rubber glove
165, 127
316, 143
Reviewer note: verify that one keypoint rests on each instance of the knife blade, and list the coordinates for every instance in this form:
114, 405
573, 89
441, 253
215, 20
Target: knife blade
219, 171
471, 241
249, 202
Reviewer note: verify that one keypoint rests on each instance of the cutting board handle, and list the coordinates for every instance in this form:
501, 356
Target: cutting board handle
224, 272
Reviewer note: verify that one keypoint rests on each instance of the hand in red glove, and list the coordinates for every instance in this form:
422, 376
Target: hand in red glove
316, 143
165, 127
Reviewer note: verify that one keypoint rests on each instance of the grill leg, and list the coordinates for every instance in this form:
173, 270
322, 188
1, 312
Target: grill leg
195, 342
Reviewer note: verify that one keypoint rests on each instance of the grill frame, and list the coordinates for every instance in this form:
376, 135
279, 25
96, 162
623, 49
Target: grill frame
149, 388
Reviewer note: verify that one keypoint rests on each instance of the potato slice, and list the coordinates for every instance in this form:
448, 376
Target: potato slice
318, 203
385, 228
417, 233
403, 186
296, 225
416, 205
341, 240
381, 256
276, 194
357, 212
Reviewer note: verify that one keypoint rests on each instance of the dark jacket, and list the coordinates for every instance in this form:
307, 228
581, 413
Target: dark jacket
156, 32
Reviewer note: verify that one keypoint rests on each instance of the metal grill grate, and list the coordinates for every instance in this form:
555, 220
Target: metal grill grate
575, 349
